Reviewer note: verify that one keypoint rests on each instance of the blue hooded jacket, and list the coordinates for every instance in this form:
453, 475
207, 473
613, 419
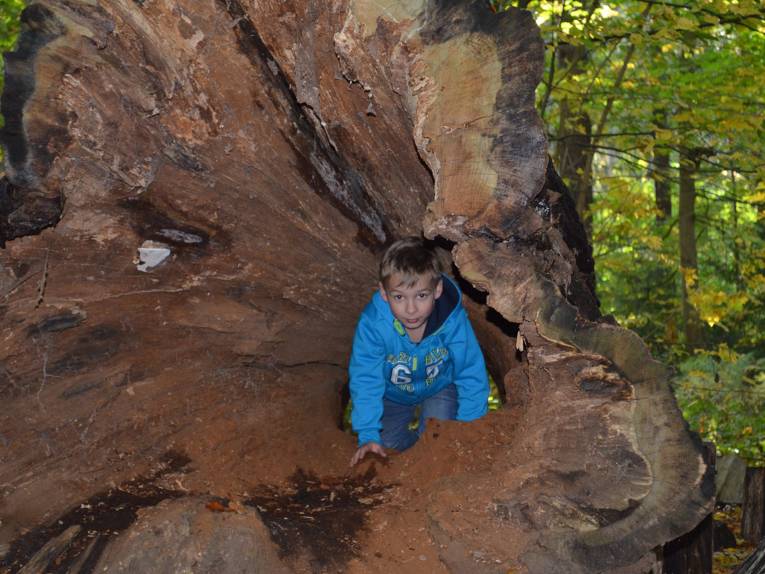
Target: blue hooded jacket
385, 362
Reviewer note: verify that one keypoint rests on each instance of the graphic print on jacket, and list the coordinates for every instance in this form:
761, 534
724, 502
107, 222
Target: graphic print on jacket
404, 369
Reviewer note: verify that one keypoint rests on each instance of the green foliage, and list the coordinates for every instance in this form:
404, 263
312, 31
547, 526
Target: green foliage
495, 401
722, 395
10, 10
637, 264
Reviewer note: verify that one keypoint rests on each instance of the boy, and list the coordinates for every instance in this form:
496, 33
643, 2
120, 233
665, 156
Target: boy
413, 346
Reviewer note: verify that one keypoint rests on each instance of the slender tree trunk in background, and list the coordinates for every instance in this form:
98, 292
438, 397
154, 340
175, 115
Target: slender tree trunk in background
662, 184
662, 275
577, 129
735, 247
661, 173
574, 150
688, 255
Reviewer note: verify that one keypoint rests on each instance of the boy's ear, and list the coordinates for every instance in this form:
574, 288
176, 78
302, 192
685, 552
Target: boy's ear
383, 293
439, 288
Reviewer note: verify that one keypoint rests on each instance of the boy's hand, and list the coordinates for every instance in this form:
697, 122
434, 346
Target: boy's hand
366, 449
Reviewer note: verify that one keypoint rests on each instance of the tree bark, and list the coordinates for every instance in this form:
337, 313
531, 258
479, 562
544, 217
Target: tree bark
661, 174
196, 197
689, 265
661, 185
693, 553
753, 516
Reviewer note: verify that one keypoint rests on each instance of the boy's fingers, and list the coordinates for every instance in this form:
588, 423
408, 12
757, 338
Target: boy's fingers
358, 456
376, 448
367, 448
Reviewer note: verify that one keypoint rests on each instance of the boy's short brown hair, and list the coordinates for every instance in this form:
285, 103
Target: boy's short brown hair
411, 258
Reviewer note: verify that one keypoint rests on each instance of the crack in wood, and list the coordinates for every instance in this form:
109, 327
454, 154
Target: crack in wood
322, 167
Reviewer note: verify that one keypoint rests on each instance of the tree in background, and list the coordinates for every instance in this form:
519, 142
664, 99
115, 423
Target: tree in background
655, 111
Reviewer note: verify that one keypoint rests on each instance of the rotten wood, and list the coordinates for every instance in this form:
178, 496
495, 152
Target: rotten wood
44, 560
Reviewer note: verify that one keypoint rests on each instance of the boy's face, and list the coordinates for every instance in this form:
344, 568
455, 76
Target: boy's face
411, 305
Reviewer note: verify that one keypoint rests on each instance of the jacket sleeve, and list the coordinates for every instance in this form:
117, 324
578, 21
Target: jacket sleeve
470, 375
367, 384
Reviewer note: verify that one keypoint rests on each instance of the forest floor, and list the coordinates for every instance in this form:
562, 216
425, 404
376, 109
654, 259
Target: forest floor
727, 560
206, 440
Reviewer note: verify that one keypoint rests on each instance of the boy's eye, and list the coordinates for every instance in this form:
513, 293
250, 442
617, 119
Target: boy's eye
398, 297
423, 295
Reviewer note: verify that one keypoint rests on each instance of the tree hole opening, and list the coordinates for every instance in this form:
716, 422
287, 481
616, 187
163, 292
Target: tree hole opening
496, 336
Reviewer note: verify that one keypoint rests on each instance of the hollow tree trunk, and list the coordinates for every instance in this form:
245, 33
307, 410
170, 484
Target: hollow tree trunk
268, 150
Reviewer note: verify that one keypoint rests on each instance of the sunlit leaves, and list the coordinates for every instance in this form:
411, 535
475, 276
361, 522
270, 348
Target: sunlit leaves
716, 307
10, 11
722, 395
9, 24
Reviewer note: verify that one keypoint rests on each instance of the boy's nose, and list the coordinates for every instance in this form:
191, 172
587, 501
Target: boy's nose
410, 306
